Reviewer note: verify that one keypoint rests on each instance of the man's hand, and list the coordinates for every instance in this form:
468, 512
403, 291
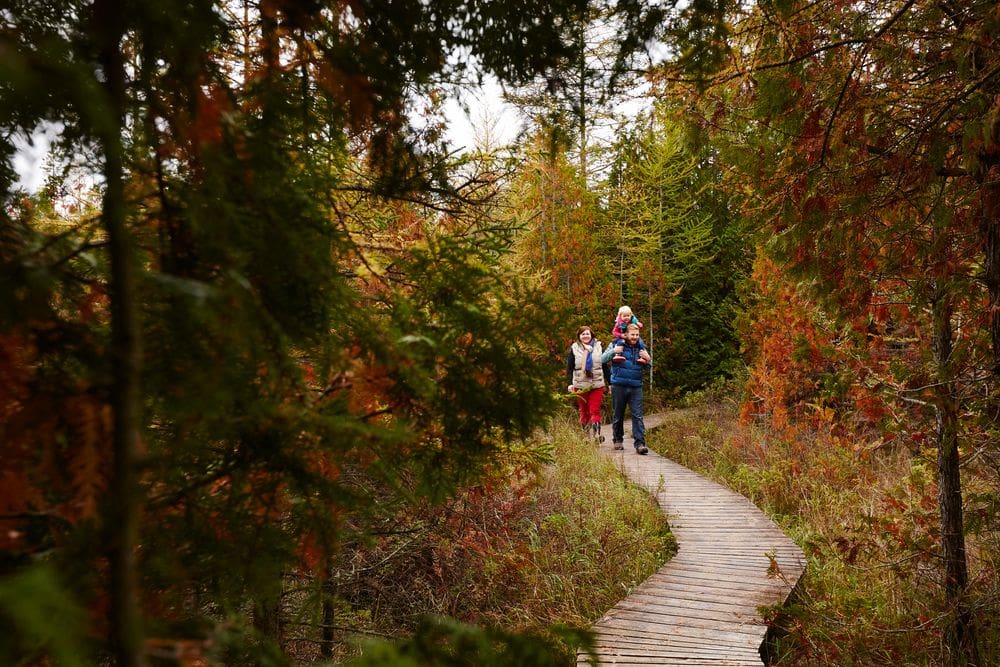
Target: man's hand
644, 355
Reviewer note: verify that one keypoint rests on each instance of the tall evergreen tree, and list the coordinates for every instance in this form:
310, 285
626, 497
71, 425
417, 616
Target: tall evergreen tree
662, 236
560, 239
583, 99
249, 356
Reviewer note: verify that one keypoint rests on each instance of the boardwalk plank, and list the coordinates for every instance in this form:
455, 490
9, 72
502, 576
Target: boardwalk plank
666, 648
673, 653
731, 635
701, 608
682, 645
697, 600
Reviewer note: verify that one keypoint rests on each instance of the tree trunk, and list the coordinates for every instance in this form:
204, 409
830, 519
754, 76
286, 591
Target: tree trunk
267, 616
649, 340
960, 638
582, 80
124, 492
989, 230
329, 616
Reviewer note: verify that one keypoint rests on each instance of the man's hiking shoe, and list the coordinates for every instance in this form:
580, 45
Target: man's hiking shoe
641, 449
619, 445
617, 358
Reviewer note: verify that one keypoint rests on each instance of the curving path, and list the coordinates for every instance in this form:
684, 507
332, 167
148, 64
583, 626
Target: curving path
701, 608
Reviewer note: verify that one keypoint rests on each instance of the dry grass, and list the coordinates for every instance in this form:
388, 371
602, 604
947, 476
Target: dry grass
522, 552
866, 519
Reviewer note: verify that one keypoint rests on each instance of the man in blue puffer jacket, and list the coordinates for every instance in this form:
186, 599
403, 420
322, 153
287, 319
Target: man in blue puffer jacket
626, 388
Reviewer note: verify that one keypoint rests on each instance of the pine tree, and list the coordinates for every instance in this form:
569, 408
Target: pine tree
660, 236
260, 366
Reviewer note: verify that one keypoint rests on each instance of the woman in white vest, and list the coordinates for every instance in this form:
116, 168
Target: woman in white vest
586, 380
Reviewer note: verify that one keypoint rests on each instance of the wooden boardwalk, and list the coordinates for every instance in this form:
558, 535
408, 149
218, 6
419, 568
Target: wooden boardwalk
701, 608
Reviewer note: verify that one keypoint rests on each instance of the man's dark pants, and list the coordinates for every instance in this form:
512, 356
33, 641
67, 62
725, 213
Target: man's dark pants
632, 397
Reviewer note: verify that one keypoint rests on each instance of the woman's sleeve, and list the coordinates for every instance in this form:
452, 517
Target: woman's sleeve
570, 363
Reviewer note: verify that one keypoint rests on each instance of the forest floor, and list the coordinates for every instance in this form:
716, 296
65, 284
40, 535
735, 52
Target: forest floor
572, 537
863, 511
526, 549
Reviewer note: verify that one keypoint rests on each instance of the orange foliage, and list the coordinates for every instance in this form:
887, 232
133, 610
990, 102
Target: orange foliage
787, 348
56, 447
805, 372
91, 421
565, 240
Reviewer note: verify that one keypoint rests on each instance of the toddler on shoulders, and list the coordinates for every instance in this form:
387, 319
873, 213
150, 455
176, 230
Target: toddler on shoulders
625, 317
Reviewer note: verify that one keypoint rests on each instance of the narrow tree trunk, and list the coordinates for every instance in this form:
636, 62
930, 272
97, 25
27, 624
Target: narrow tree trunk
989, 229
124, 492
124, 489
649, 340
267, 617
329, 618
960, 640
582, 64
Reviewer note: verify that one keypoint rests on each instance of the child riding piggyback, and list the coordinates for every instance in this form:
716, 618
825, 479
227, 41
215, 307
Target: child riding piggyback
625, 318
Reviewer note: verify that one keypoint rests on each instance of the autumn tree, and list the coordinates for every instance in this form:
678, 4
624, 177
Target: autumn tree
870, 133
560, 240
212, 348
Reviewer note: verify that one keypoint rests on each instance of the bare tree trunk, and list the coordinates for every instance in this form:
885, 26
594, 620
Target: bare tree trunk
582, 64
124, 493
267, 615
989, 231
326, 641
960, 640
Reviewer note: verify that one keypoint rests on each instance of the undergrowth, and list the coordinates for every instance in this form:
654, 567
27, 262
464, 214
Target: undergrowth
865, 516
526, 550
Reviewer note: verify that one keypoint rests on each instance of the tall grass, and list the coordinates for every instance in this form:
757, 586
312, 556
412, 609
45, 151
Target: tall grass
525, 550
865, 516
594, 534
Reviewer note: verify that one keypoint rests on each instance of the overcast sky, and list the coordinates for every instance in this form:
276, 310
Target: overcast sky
29, 161
486, 110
